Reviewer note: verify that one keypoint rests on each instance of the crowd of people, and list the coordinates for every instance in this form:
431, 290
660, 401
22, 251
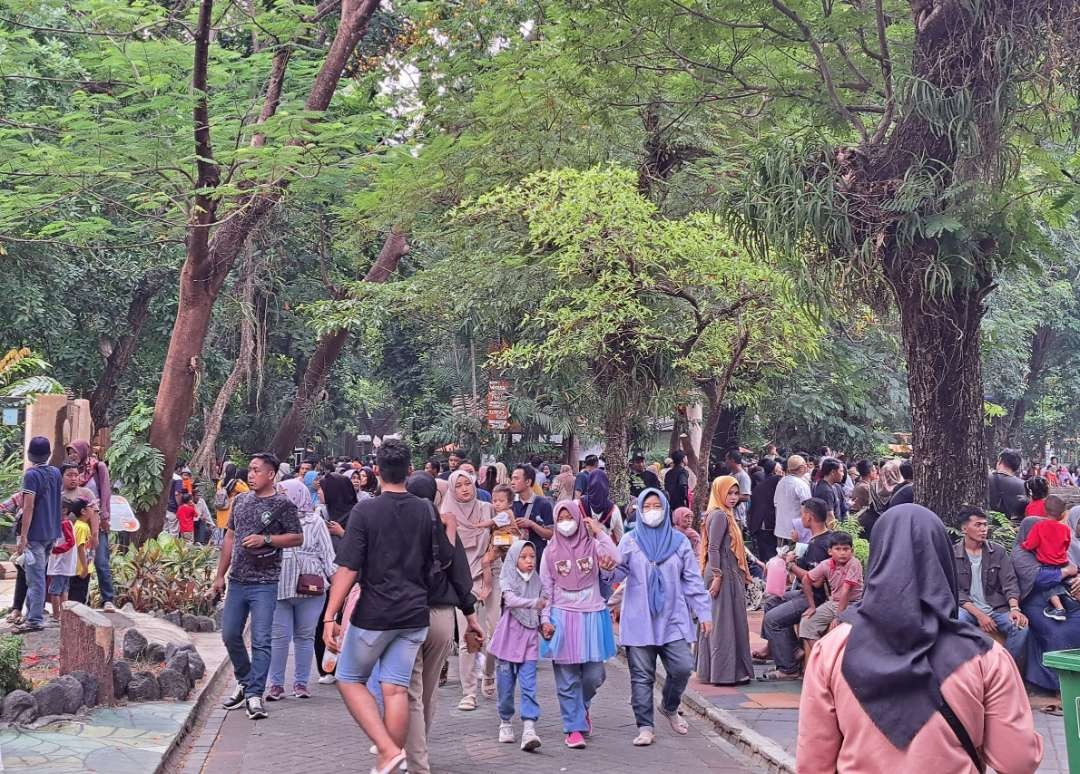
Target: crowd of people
375, 573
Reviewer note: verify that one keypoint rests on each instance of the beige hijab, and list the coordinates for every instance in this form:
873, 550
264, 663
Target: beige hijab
888, 477
468, 514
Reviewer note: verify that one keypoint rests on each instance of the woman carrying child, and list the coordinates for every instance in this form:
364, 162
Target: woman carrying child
516, 643
575, 626
662, 585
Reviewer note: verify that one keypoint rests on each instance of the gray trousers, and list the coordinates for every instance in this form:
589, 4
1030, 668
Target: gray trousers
782, 615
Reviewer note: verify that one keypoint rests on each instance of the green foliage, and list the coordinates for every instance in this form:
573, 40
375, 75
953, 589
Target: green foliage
11, 677
165, 574
134, 462
23, 374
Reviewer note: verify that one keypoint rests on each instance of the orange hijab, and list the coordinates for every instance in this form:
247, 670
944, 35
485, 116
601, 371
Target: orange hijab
718, 493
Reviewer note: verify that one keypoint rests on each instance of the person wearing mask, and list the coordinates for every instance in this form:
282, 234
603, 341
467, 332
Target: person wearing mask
677, 481
261, 524
473, 521
336, 497
94, 476
662, 584
532, 513
1005, 487
301, 596
734, 462
791, 491
987, 588
761, 518
903, 682
576, 626
39, 528
392, 546
783, 613
723, 652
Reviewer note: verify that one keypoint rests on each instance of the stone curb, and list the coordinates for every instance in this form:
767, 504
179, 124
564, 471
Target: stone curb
752, 745
203, 703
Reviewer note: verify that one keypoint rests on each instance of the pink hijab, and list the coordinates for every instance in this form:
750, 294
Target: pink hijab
683, 520
572, 560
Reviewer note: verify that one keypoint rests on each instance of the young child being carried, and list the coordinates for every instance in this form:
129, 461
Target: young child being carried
845, 578
516, 642
1049, 539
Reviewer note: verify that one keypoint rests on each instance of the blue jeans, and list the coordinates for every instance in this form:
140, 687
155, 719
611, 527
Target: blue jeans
507, 673
1015, 638
259, 601
576, 685
294, 620
35, 580
102, 568
678, 663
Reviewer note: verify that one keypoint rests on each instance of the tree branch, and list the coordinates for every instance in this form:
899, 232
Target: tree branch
207, 172
886, 72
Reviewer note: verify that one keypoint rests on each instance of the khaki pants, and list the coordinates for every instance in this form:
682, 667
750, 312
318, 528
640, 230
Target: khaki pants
488, 615
424, 685
816, 626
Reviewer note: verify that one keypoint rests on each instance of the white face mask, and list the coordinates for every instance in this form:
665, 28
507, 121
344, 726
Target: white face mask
652, 518
525, 575
567, 528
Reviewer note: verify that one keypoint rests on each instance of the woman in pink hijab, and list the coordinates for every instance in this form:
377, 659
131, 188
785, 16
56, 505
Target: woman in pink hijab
683, 520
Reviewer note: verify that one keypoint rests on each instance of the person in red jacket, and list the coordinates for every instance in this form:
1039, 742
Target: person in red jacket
185, 518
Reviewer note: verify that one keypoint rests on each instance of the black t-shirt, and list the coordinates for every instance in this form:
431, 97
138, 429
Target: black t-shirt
639, 482
390, 541
1007, 495
677, 482
543, 513
762, 514
817, 552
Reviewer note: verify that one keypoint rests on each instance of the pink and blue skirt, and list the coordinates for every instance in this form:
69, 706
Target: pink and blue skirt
579, 637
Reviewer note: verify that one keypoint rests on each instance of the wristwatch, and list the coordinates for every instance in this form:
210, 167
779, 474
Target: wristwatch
267, 540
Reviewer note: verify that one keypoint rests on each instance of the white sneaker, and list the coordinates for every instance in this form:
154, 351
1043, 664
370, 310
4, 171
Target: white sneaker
373, 750
506, 733
529, 740
327, 680
644, 738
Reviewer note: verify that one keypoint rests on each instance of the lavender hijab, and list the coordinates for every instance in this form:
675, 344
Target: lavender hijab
905, 637
572, 560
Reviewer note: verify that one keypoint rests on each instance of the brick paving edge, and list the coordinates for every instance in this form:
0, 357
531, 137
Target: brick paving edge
170, 759
754, 746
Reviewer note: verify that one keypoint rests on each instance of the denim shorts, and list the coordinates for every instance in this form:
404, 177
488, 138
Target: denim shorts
58, 584
394, 649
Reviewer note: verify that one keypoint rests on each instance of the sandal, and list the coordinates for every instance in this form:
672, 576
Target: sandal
677, 721
777, 675
1053, 709
467, 703
392, 765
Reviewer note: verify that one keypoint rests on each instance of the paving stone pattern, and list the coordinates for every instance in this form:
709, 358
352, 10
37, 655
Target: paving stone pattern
318, 734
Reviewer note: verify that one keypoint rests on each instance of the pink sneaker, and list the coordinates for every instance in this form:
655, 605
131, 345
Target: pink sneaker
276, 693
575, 741
300, 691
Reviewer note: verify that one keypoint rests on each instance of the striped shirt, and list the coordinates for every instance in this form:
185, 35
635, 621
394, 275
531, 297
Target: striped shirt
314, 557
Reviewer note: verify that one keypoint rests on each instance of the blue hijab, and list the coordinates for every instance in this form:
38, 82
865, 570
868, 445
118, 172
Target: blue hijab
309, 482
658, 544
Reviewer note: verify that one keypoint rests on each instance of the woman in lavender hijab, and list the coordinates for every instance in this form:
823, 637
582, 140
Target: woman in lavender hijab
662, 586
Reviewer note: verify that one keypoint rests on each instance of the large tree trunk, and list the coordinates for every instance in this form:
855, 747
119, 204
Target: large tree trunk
1041, 345
615, 451
117, 362
202, 461
941, 344
327, 351
209, 260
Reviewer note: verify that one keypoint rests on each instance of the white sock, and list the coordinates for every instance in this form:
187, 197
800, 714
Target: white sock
529, 725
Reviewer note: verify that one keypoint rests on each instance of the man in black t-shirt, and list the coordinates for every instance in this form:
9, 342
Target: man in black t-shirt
641, 478
390, 548
1006, 489
783, 613
534, 514
677, 481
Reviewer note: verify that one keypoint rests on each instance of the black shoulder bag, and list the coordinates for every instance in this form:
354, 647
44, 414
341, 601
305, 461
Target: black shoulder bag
962, 735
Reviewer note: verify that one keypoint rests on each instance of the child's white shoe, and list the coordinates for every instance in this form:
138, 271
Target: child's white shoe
506, 732
529, 740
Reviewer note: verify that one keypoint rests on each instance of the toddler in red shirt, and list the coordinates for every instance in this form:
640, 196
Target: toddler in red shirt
1049, 539
185, 517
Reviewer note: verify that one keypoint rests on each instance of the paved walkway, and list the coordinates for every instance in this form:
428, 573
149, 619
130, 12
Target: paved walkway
318, 734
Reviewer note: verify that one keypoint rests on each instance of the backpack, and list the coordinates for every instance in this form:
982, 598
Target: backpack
221, 499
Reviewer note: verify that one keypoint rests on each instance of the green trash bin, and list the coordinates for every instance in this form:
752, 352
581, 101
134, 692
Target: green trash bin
1067, 664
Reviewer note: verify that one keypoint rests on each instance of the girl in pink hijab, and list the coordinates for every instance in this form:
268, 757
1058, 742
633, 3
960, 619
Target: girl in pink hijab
576, 626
